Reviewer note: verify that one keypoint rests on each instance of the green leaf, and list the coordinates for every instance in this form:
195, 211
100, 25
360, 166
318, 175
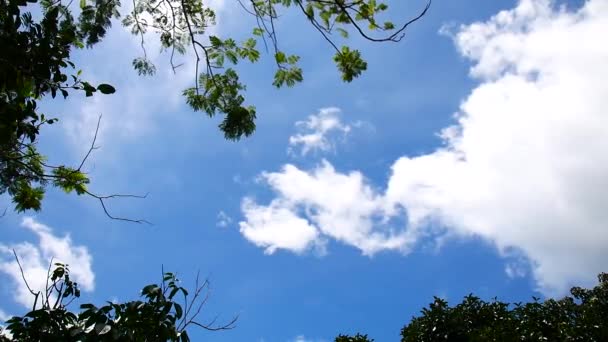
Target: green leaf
102, 328
231, 57
215, 41
239, 121
350, 63
106, 89
178, 310
70, 180
26, 197
280, 57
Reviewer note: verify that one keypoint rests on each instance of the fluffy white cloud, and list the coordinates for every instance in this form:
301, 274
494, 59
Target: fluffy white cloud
35, 260
316, 133
317, 204
525, 167
276, 226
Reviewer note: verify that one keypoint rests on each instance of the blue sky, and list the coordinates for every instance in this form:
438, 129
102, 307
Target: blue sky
467, 158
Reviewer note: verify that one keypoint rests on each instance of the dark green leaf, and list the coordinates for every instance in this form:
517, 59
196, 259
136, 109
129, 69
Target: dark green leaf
106, 89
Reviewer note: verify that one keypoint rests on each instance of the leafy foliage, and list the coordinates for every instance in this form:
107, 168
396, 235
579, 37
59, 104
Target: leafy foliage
580, 317
182, 23
350, 63
36, 63
164, 313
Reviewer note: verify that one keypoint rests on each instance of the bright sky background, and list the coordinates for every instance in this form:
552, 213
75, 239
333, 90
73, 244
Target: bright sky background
470, 157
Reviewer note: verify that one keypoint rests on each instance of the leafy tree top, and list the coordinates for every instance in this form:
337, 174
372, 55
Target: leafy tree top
165, 312
579, 317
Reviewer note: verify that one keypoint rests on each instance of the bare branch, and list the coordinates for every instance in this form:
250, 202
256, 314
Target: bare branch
25, 281
102, 199
210, 327
48, 289
318, 26
141, 33
93, 147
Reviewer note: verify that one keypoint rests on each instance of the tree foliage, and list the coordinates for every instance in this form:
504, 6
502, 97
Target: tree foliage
164, 313
36, 62
579, 317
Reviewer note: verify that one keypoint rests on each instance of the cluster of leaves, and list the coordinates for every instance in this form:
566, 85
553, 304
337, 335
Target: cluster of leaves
183, 23
34, 63
164, 313
580, 317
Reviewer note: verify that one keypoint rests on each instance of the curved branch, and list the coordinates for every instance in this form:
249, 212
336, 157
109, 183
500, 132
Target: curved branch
93, 147
396, 36
318, 26
102, 199
25, 281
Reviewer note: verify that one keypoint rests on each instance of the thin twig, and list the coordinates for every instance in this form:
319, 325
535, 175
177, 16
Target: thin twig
25, 281
105, 210
396, 36
48, 275
93, 147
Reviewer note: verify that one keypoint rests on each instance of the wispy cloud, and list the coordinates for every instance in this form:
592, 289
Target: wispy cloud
140, 104
523, 167
318, 132
36, 258
3, 317
223, 219
302, 338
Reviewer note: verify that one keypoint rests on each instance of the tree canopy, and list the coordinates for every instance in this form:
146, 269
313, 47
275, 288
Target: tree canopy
36, 63
579, 317
164, 313
168, 309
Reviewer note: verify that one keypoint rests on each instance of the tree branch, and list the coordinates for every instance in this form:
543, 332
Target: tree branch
25, 281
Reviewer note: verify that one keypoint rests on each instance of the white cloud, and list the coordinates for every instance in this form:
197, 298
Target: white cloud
3, 316
276, 226
223, 219
313, 205
140, 103
35, 259
302, 338
525, 167
317, 132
